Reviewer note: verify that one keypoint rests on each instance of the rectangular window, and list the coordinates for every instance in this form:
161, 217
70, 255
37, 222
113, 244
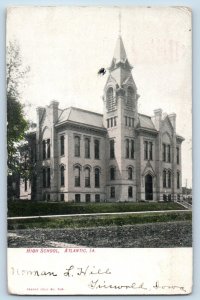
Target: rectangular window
25, 185
62, 145
44, 149
130, 192
111, 122
145, 150
126, 121
133, 122
132, 149
127, 148
87, 148
150, 150
48, 149
97, 198
178, 180
112, 173
169, 153
112, 192
112, 149
115, 121
62, 176
44, 177
169, 179
96, 149
164, 152
77, 198
108, 123
77, 146
48, 177
87, 198
177, 156
129, 122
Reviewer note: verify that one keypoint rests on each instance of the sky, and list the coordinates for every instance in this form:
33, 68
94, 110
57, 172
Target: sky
66, 46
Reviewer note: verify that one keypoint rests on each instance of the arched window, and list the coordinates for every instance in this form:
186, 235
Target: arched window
77, 146
169, 179
97, 178
127, 148
164, 179
178, 180
130, 97
110, 98
130, 192
87, 177
62, 176
130, 173
112, 173
77, 177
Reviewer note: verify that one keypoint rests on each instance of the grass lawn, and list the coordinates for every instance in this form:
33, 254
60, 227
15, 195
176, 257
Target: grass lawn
96, 221
31, 208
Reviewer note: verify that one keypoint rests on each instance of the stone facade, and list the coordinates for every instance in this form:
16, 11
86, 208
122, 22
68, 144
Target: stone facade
121, 155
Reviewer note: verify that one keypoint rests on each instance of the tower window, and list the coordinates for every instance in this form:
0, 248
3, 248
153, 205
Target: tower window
130, 97
112, 173
110, 98
62, 145
130, 192
48, 149
130, 173
145, 150
177, 156
169, 179
44, 149
178, 180
112, 149
132, 149
44, 177
48, 177
169, 153
127, 148
112, 192
164, 152
150, 150
164, 179
62, 176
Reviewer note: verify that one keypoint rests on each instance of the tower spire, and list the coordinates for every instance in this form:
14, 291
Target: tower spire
119, 22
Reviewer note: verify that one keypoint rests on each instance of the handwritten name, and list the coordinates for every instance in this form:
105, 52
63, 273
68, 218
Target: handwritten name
85, 271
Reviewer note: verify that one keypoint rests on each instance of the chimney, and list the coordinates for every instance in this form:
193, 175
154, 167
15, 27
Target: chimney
40, 110
172, 118
54, 107
157, 118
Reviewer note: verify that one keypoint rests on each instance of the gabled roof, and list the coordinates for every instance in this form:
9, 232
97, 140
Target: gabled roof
82, 116
145, 122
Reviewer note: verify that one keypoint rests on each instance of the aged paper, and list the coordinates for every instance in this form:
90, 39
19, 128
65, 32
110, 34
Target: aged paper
100, 185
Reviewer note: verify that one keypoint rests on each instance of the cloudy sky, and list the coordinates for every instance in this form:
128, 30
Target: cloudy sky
65, 48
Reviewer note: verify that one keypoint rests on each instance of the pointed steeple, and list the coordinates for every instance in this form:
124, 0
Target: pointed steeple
120, 57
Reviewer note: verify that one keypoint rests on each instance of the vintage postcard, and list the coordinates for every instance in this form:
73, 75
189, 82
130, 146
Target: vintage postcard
99, 150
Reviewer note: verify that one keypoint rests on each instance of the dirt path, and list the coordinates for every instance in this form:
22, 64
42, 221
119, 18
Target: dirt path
158, 235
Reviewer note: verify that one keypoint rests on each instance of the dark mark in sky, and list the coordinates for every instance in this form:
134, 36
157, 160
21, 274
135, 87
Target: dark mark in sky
102, 71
